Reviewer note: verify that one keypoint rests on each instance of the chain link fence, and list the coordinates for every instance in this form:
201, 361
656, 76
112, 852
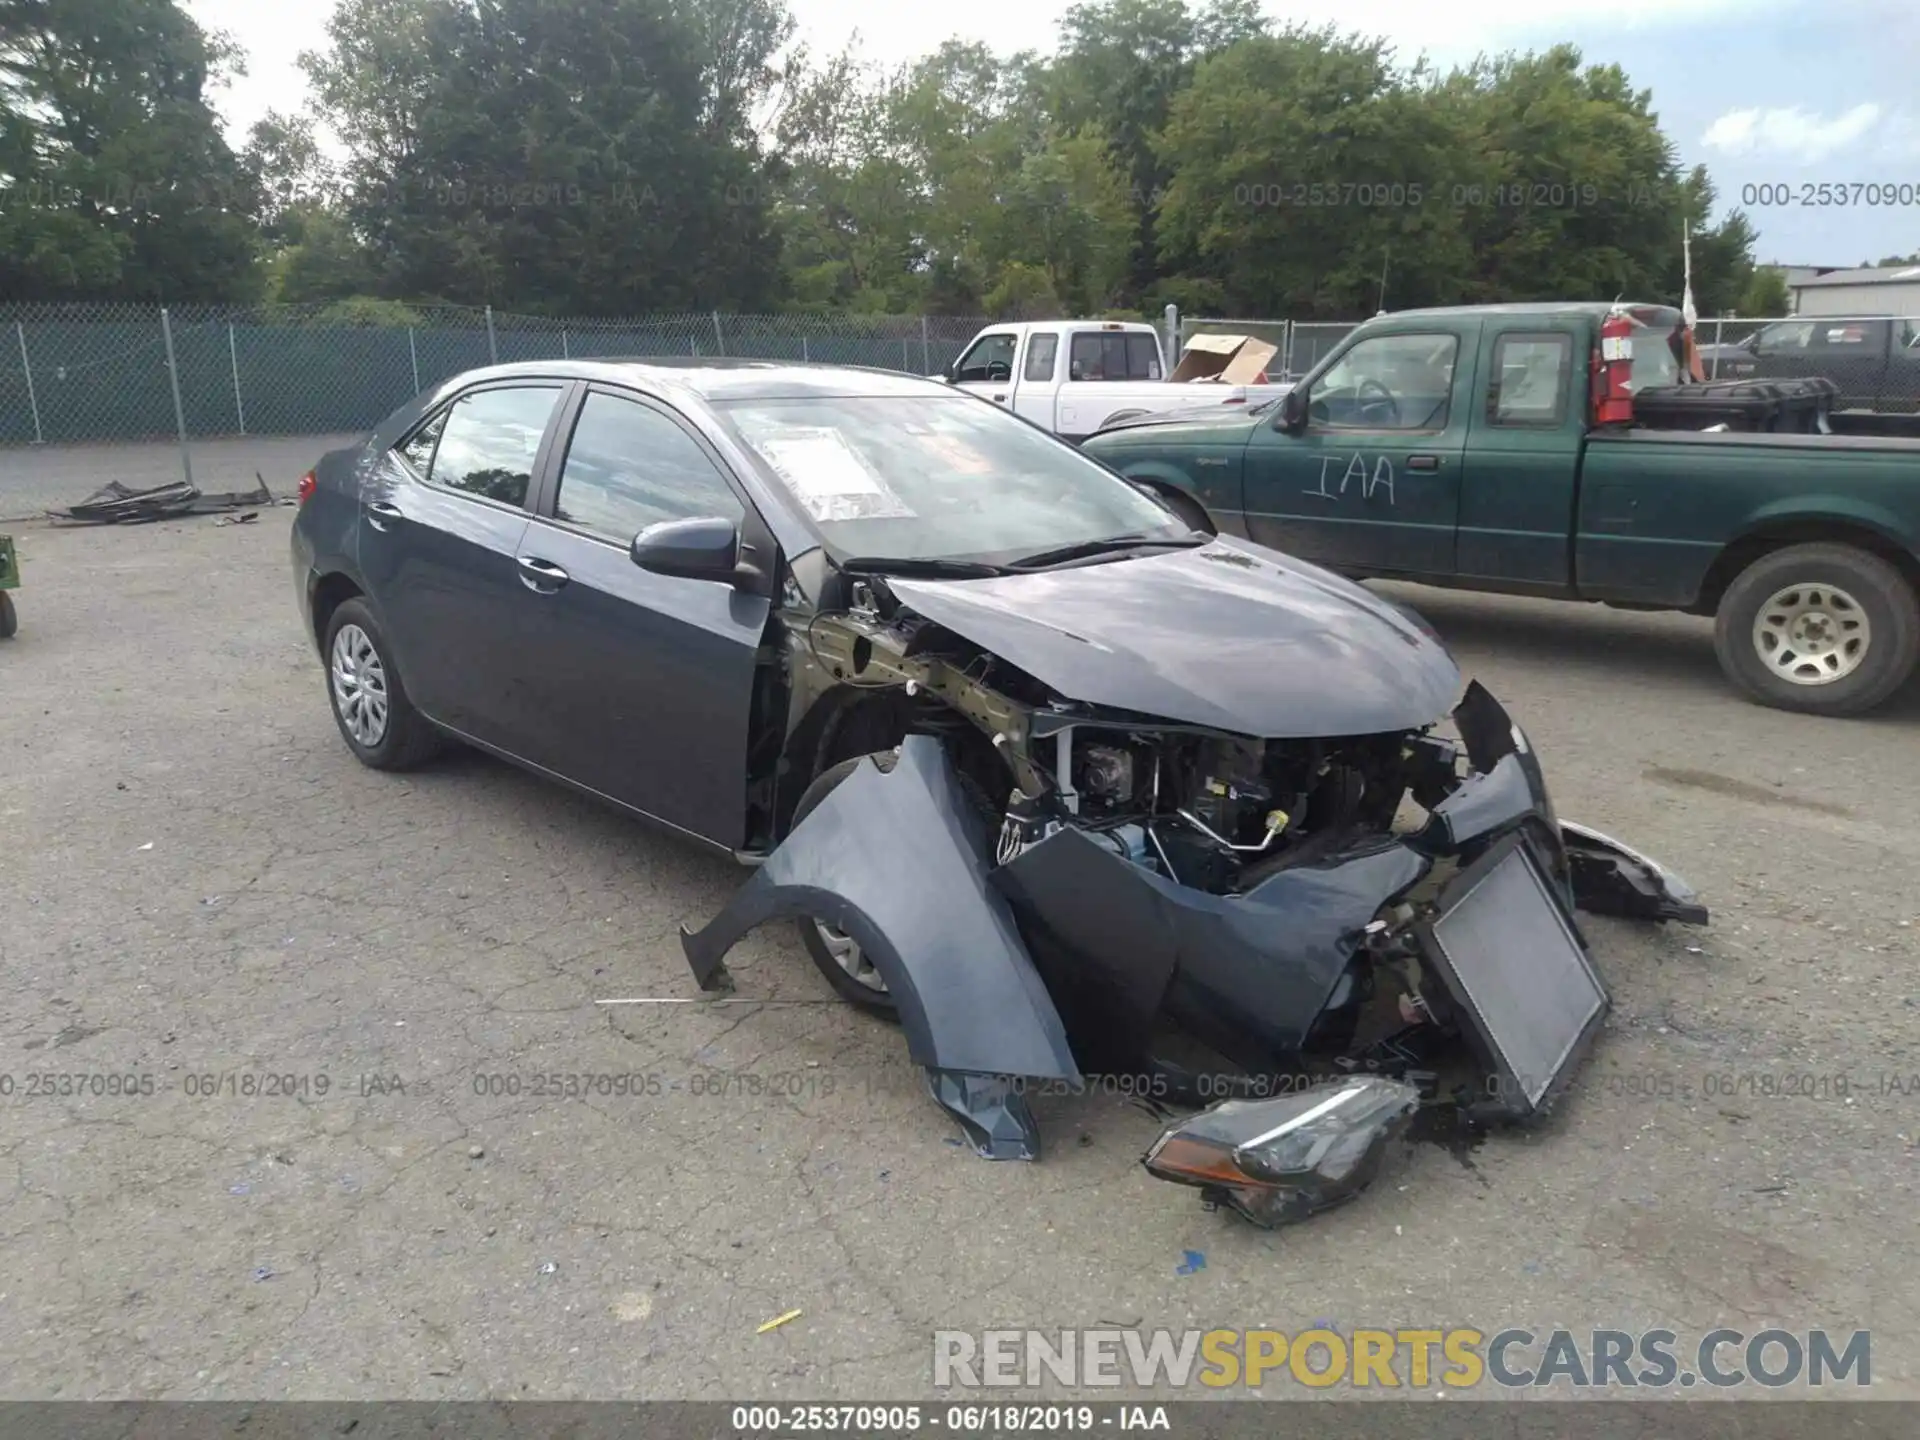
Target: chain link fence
73, 374
92, 373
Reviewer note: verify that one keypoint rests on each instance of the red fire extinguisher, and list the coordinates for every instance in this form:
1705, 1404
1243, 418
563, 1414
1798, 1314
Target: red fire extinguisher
1613, 370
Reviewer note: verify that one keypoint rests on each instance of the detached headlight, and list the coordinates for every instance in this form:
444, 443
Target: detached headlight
1278, 1161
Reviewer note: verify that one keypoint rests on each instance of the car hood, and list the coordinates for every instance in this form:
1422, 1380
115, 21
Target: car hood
1229, 635
1210, 423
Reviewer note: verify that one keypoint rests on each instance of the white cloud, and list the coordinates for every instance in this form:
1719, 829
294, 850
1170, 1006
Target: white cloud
1792, 133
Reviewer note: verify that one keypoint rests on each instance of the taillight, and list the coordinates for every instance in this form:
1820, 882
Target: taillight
308, 483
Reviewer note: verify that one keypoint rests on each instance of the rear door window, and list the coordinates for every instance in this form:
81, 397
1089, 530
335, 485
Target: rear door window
490, 439
1851, 337
1042, 351
1530, 379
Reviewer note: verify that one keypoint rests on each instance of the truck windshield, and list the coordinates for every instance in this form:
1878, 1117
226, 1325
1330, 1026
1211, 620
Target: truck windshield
937, 478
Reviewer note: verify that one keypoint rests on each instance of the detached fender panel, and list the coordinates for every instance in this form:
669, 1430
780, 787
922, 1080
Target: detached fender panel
896, 860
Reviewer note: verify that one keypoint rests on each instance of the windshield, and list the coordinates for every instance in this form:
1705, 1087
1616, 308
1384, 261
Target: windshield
938, 477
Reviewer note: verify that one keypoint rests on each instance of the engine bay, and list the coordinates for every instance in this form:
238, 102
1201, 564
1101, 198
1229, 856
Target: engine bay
1213, 811
1222, 813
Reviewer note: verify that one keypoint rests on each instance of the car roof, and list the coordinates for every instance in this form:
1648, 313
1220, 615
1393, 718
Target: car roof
716, 379
1667, 314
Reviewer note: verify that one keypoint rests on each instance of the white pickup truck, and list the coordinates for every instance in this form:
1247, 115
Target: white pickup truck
1074, 377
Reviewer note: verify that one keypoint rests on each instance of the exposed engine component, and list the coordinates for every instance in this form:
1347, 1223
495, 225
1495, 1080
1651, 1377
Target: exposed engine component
1216, 812
1105, 774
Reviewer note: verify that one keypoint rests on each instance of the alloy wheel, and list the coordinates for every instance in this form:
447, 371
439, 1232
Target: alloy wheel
1812, 634
359, 686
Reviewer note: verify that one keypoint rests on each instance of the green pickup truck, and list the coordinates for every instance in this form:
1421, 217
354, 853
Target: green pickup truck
1455, 447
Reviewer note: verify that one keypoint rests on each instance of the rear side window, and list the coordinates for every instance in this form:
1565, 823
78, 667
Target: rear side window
1852, 335
1530, 379
419, 449
630, 466
1114, 355
1042, 351
490, 439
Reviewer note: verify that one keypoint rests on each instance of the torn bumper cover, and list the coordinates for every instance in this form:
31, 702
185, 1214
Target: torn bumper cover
1466, 925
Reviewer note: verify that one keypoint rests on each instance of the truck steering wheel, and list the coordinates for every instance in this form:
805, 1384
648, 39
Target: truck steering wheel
1363, 405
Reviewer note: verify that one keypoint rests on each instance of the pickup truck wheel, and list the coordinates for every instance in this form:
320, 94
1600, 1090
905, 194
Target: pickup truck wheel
1192, 514
1825, 629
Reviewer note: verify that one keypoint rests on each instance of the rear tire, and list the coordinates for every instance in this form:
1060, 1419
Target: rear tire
9, 617
1824, 629
369, 698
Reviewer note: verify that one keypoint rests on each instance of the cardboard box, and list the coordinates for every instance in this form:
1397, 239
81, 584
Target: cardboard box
1225, 360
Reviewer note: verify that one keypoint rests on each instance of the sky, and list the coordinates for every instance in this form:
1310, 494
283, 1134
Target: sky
1773, 97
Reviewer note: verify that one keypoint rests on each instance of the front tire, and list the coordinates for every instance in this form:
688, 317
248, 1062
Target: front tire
1824, 629
838, 955
368, 697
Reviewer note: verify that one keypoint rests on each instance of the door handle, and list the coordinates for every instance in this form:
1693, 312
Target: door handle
543, 577
378, 510
1000, 399
1423, 462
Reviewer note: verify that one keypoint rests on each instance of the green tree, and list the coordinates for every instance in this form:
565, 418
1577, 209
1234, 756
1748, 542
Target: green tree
580, 158
1120, 66
1302, 165
1766, 293
851, 212
119, 181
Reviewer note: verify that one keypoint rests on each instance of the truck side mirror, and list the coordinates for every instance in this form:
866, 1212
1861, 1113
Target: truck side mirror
1293, 411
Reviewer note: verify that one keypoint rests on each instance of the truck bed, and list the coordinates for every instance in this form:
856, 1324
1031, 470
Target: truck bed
1656, 506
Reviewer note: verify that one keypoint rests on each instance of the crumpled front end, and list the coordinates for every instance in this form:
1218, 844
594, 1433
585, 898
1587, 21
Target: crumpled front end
1229, 917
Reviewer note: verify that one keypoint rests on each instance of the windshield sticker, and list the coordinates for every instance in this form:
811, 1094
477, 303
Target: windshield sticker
829, 477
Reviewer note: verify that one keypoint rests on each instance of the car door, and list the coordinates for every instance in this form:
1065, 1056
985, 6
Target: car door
1034, 396
1517, 498
986, 369
1852, 354
642, 684
1371, 485
440, 530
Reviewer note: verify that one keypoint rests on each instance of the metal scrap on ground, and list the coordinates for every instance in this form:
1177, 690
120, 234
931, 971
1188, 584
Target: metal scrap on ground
117, 504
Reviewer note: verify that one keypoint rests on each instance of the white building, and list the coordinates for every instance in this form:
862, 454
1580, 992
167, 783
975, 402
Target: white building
1882, 290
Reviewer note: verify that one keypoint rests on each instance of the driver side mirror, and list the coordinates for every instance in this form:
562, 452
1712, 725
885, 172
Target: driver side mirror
1292, 418
707, 548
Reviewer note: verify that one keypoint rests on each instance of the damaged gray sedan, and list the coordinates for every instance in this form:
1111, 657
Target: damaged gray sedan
1036, 763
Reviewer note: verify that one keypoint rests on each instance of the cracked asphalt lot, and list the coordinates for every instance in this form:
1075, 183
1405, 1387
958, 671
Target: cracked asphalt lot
272, 1026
